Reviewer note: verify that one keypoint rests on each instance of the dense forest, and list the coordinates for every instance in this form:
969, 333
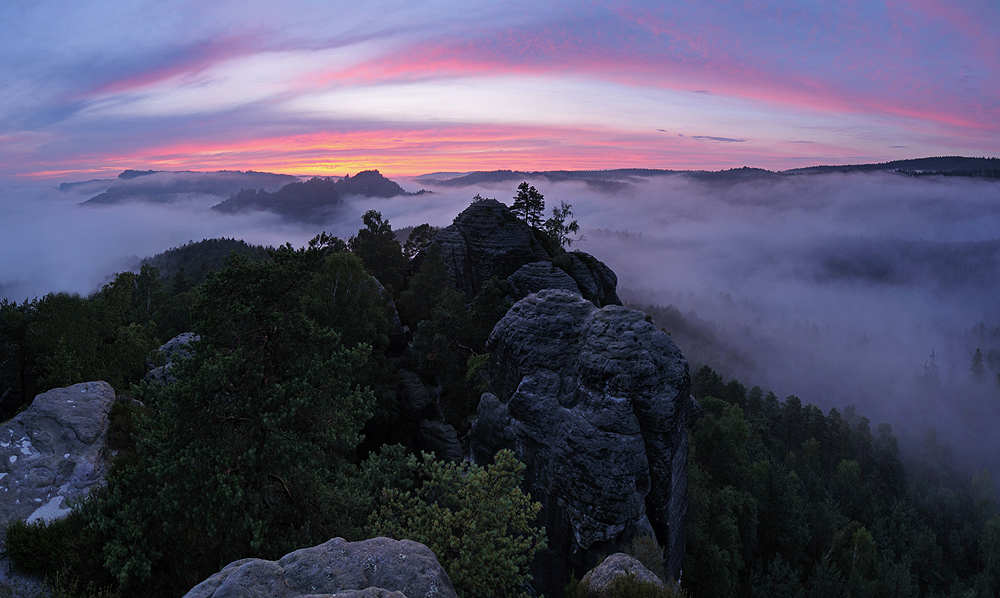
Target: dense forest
279, 433
788, 501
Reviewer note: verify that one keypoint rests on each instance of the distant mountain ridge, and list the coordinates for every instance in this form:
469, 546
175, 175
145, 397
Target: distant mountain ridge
288, 196
938, 165
167, 187
605, 180
622, 178
313, 199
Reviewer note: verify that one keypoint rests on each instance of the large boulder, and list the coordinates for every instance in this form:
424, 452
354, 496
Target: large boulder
51, 453
378, 567
600, 579
488, 240
595, 402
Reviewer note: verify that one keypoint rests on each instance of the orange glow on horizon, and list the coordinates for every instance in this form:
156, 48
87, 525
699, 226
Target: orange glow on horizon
411, 152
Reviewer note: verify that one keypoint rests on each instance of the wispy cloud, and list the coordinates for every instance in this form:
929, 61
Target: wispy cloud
106, 82
718, 139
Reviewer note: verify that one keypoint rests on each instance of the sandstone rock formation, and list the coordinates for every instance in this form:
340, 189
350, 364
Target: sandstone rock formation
175, 348
487, 240
595, 402
619, 564
50, 454
378, 567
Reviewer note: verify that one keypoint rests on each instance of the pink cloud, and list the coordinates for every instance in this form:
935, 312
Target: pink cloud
187, 61
836, 61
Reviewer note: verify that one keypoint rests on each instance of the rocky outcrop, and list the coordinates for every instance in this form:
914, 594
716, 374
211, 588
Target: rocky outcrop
487, 240
178, 347
599, 579
595, 402
536, 276
51, 453
378, 567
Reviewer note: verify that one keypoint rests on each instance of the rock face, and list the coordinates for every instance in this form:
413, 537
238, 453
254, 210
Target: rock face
441, 439
378, 567
51, 452
600, 578
487, 240
595, 402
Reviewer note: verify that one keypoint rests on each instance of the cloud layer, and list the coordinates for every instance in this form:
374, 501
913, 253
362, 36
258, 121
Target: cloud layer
410, 87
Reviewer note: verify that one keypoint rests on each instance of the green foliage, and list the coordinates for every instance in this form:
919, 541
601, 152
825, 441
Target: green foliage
426, 289
188, 266
556, 226
450, 343
787, 501
529, 205
475, 519
420, 238
17, 379
381, 253
66, 552
99, 338
646, 550
247, 454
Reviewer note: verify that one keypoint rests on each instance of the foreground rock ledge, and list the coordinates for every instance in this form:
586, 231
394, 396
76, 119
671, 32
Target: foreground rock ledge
51, 454
595, 402
378, 567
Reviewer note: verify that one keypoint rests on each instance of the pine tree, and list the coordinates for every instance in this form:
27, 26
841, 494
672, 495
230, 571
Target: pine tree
977, 369
529, 205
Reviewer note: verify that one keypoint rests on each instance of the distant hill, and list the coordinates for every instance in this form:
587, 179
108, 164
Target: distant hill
946, 165
197, 259
165, 187
314, 199
606, 180
623, 178
733, 175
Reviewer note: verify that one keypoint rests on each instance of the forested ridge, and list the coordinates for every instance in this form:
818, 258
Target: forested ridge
277, 435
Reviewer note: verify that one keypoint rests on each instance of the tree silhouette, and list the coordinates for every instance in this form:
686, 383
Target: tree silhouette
529, 205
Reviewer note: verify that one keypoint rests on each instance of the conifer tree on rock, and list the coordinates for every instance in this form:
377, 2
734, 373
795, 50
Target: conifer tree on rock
529, 205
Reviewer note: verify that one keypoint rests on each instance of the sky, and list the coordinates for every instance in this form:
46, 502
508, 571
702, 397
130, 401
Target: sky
88, 89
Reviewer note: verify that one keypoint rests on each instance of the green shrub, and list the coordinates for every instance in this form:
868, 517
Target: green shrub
66, 552
475, 519
645, 550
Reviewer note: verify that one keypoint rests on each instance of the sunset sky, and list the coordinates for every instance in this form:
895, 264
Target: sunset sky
330, 87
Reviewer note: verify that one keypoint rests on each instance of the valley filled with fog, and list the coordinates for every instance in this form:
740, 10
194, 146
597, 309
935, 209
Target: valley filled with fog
833, 287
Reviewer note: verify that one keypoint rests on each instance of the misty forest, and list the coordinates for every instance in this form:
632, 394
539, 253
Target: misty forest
344, 358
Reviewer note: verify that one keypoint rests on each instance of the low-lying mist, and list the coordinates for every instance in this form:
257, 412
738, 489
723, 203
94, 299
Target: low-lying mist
837, 288
49, 242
